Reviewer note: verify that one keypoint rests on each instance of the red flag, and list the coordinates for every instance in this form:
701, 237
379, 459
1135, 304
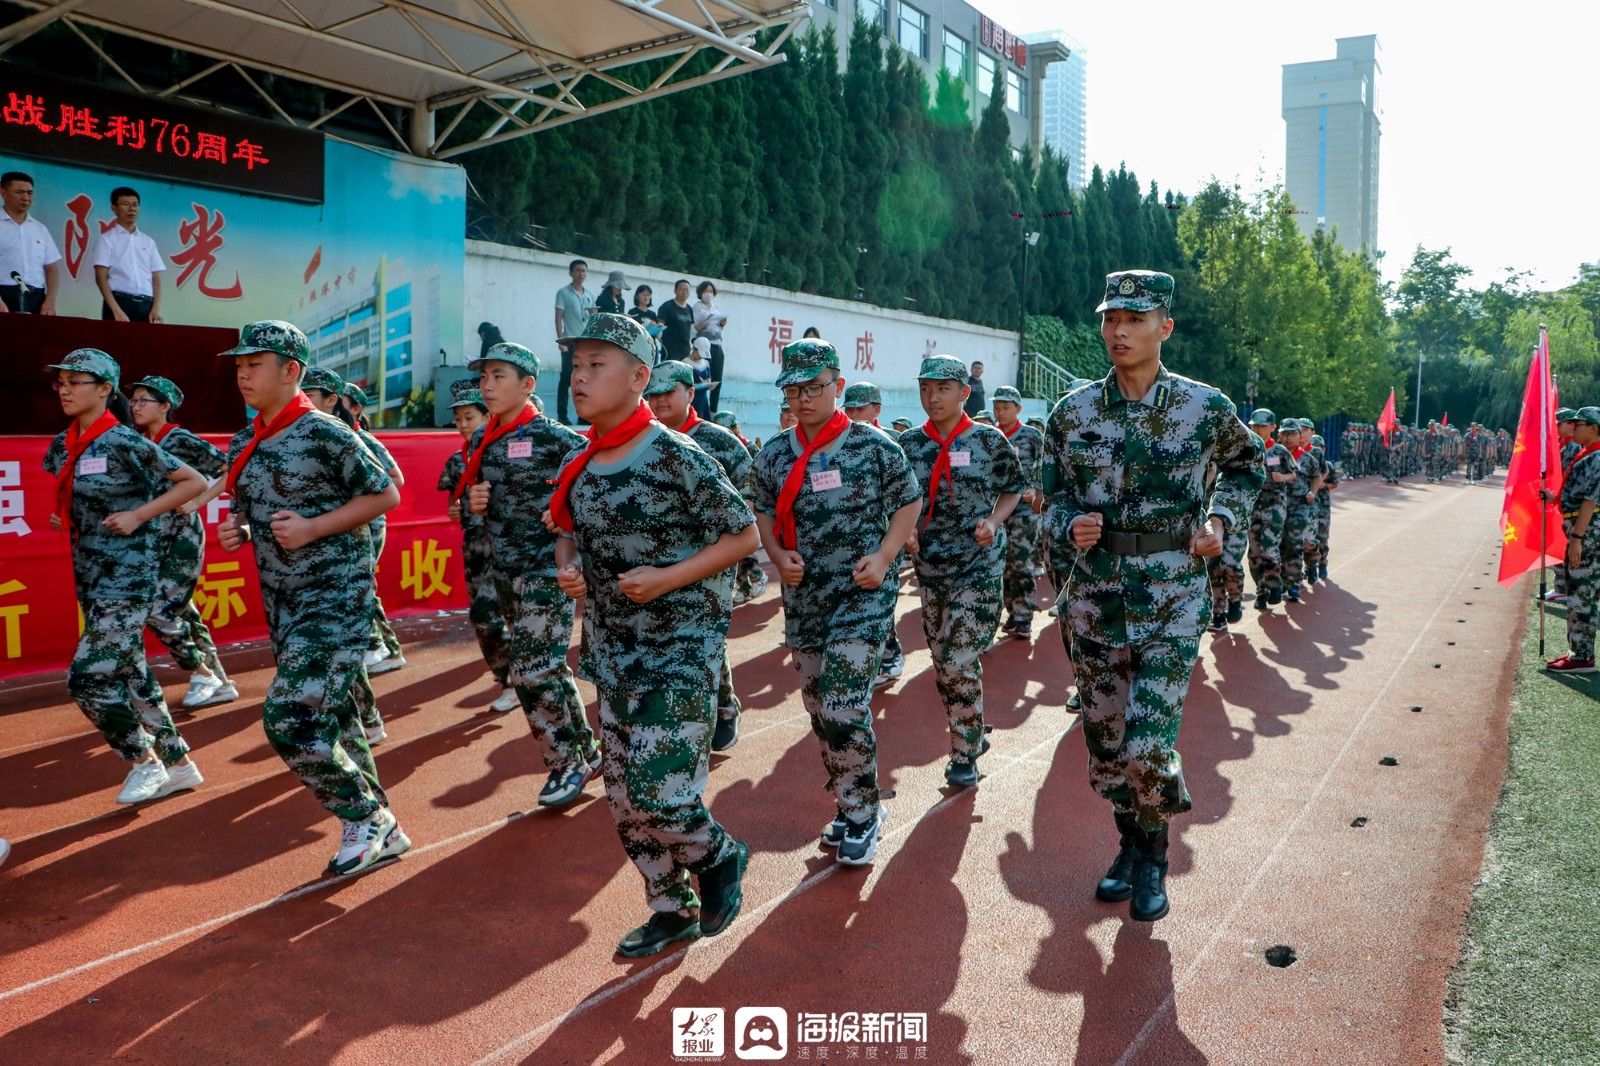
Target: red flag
1445, 420
1386, 421
1525, 520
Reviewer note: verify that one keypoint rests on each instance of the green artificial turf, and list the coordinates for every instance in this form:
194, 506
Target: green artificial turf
1527, 989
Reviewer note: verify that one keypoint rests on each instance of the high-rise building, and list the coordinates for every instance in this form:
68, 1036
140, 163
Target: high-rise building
1331, 119
1064, 123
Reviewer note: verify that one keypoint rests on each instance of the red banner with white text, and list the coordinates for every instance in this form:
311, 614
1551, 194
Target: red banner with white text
39, 620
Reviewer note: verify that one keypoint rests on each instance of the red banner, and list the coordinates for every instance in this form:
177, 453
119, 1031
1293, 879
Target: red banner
39, 625
1530, 528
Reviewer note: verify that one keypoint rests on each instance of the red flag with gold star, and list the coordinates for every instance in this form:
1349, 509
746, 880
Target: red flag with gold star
1528, 542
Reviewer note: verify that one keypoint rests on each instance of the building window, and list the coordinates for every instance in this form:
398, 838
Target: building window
874, 13
957, 56
914, 31
1014, 91
985, 74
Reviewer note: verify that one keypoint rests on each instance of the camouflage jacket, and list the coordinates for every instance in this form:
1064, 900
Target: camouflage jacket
1581, 483
1028, 443
119, 471
835, 528
378, 525
519, 468
201, 455
315, 466
1569, 450
1141, 464
1310, 466
1275, 460
983, 467
659, 505
726, 449
454, 467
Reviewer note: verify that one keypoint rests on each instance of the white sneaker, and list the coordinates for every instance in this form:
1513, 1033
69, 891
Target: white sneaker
201, 688
395, 844
374, 656
144, 782
375, 734
507, 701
386, 665
181, 778
740, 598
5, 850
360, 843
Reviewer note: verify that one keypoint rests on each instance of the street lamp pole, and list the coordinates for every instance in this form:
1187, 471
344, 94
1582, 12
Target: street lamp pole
1029, 239
1416, 423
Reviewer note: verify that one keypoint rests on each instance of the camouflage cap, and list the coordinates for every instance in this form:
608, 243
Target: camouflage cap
1588, 415
1289, 425
91, 361
804, 359
784, 406
725, 419
902, 424
1036, 422
464, 392
1136, 290
356, 394
668, 375
621, 331
1566, 414
944, 368
1317, 441
861, 394
272, 335
1263, 416
1006, 394
165, 389
320, 377
517, 355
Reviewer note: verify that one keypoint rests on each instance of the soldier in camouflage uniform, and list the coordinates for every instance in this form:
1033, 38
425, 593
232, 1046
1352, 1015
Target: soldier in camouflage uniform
1131, 524
973, 481
835, 502
863, 402
1300, 521
1324, 511
1580, 491
510, 464
1269, 512
750, 580
304, 491
652, 528
670, 395
1225, 572
1313, 463
1022, 528
469, 413
113, 487
175, 619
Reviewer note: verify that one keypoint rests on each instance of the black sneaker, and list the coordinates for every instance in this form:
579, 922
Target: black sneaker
656, 934
724, 737
1292, 594
833, 832
1261, 601
1019, 627
1235, 612
1075, 701
961, 771
566, 784
1219, 623
721, 894
1322, 572
860, 845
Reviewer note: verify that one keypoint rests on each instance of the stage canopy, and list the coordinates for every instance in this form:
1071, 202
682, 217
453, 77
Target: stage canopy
510, 66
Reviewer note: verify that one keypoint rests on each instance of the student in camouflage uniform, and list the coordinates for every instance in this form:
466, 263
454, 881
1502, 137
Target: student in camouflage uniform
1313, 464
1022, 528
1324, 524
1131, 524
469, 413
1270, 511
972, 482
1580, 491
521, 451
304, 491
1298, 523
750, 580
1226, 572
652, 528
670, 395
175, 619
835, 502
863, 402
112, 488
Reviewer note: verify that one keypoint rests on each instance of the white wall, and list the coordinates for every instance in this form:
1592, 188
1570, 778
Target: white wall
515, 289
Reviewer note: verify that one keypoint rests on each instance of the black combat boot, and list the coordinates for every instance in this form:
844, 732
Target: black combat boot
1149, 880
1117, 884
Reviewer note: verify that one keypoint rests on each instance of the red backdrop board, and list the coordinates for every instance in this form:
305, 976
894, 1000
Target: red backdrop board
420, 570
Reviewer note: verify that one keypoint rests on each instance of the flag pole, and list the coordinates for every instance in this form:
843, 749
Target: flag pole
1544, 462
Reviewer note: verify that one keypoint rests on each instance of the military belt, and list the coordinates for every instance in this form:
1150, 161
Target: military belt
1122, 542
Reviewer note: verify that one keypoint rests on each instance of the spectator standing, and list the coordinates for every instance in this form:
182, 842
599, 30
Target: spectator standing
27, 251
127, 265
974, 402
489, 336
678, 318
574, 305
643, 313
610, 298
709, 322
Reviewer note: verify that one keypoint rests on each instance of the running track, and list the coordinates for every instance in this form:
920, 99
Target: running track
199, 929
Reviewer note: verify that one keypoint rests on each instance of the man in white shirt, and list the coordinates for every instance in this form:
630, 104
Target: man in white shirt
127, 265
30, 263
574, 305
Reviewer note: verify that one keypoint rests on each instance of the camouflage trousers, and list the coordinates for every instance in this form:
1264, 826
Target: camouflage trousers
1132, 707
1583, 585
959, 620
1022, 548
312, 722
836, 688
174, 618
892, 649
540, 617
1266, 536
383, 634
749, 576
113, 686
1323, 527
1227, 570
1299, 530
657, 749
483, 608
728, 706
365, 699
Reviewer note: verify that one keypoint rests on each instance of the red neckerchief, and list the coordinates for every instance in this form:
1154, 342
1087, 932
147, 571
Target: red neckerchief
1012, 432
78, 441
741, 438
629, 428
492, 432
1299, 451
291, 413
165, 429
1593, 446
941, 465
783, 521
693, 419
1271, 444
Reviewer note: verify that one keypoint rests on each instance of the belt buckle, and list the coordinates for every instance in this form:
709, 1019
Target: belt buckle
1138, 544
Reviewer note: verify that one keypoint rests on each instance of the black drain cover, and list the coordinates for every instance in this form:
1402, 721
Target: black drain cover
1281, 955
1388, 760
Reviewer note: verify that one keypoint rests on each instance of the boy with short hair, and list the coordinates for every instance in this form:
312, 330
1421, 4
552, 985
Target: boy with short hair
1022, 528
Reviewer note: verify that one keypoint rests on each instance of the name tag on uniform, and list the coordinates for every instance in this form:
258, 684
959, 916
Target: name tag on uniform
1274, 461
823, 480
519, 449
960, 458
96, 465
